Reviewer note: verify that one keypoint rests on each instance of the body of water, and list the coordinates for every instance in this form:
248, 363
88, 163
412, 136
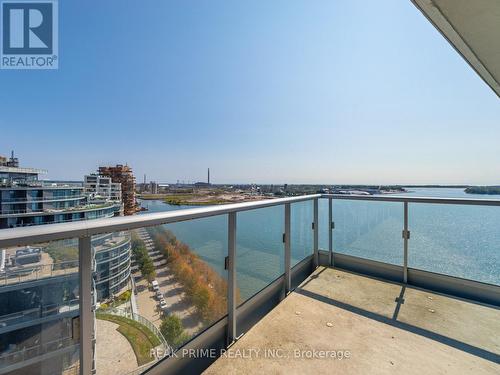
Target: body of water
456, 240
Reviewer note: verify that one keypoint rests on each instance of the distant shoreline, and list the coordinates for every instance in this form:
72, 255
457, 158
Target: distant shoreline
202, 199
483, 190
220, 196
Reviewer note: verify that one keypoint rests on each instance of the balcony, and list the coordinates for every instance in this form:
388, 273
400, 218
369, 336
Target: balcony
343, 322
38, 271
330, 285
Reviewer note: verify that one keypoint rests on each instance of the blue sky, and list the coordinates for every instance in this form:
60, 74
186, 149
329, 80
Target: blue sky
280, 91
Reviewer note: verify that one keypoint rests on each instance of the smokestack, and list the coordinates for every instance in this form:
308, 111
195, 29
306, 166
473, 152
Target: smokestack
209, 176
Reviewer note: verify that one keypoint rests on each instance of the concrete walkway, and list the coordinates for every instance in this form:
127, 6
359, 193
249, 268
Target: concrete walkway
148, 305
114, 355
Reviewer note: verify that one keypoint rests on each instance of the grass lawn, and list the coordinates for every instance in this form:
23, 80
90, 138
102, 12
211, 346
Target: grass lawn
139, 336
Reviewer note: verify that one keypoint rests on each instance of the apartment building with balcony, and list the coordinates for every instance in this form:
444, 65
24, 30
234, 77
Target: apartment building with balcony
123, 175
99, 187
25, 200
39, 286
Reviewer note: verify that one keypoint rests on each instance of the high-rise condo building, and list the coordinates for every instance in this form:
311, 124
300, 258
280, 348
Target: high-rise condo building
123, 174
39, 285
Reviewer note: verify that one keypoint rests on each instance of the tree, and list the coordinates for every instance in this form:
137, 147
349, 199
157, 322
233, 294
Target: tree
171, 328
148, 269
201, 299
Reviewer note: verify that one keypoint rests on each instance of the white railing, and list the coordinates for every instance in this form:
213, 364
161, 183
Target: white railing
138, 318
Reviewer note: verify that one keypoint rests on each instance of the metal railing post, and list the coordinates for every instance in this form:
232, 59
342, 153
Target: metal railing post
315, 233
406, 237
231, 279
288, 255
86, 315
330, 232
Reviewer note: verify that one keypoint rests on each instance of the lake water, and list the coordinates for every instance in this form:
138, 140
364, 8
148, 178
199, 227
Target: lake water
461, 241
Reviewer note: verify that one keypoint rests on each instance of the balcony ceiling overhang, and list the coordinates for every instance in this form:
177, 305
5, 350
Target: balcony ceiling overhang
473, 29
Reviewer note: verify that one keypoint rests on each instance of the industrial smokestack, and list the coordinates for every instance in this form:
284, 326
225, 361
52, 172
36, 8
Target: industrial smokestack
208, 176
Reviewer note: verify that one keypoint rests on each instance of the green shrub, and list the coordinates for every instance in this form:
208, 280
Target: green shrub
125, 296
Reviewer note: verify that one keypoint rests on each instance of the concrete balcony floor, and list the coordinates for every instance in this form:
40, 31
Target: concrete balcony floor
386, 327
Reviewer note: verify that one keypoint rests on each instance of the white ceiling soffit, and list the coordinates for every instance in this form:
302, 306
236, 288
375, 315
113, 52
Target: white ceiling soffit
473, 28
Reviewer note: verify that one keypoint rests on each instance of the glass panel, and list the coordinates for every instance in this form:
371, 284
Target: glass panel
456, 240
371, 230
302, 233
323, 223
259, 248
39, 308
156, 288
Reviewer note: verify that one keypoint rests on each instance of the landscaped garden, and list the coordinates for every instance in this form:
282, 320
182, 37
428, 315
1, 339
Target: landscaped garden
140, 337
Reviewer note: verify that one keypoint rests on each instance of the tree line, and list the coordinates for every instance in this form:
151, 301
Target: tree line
143, 259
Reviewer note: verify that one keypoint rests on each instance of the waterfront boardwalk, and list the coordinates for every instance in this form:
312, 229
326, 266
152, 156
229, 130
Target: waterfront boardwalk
387, 328
173, 293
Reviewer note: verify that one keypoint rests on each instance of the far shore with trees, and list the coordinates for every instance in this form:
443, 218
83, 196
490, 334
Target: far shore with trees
488, 190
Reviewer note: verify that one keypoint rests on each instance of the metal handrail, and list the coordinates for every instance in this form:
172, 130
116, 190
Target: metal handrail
395, 198
138, 318
43, 233
24, 354
28, 235
38, 271
38, 312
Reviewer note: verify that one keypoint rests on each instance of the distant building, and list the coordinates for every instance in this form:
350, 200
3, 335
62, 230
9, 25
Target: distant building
204, 184
201, 184
9, 162
153, 187
123, 174
101, 187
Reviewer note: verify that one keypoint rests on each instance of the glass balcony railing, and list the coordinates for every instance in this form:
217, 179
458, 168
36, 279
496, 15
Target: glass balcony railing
370, 230
39, 306
200, 277
30, 272
31, 199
